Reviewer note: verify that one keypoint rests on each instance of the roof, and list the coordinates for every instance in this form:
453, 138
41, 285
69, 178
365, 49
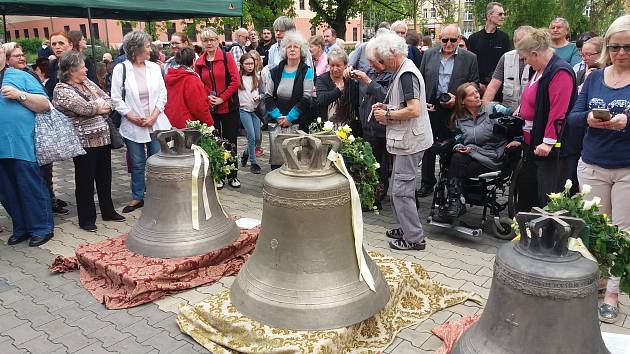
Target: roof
139, 10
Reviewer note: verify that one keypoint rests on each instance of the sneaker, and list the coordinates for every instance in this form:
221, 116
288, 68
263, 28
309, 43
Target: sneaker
255, 169
405, 245
395, 233
608, 313
234, 182
59, 210
219, 184
259, 151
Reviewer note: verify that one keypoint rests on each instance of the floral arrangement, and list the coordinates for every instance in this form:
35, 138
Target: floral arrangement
606, 242
220, 152
359, 159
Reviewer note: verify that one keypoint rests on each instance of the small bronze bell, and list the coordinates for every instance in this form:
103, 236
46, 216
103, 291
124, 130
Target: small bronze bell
304, 274
171, 225
543, 298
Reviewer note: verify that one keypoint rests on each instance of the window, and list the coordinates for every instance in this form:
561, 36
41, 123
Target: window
66, 29
468, 16
95, 31
355, 34
170, 29
126, 28
302, 5
83, 30
313, 31
469, 1
46, 33
26, 33
36, 32
433, 12
17, 34
9, 36
426, 13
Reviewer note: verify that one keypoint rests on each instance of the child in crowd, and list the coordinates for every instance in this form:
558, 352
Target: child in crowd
249, 97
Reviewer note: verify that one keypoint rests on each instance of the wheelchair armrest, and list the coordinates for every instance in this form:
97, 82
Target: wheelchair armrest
489, 175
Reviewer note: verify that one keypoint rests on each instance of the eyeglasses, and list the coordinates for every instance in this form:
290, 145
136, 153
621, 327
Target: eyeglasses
172, 44
590, 54
206, 40
452, 40
501, 14
614, 48
18, 56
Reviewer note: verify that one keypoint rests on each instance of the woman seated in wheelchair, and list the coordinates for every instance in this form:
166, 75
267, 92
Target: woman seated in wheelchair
477, 149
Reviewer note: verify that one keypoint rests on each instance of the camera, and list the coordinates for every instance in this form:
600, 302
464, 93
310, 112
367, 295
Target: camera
444, 97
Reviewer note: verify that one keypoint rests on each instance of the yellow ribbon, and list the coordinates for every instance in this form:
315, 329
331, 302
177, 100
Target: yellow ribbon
200, 155
357, 220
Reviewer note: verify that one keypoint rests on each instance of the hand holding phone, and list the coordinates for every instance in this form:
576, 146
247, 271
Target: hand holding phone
602, 114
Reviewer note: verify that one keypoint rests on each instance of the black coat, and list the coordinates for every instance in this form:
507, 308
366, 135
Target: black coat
328, 92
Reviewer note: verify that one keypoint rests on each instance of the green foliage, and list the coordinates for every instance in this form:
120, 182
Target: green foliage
222, 160
536, 13
262, 13
30, 45
334, 13
609, 245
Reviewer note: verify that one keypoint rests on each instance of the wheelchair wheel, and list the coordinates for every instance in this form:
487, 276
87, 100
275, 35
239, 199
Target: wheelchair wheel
513, 191
502, 228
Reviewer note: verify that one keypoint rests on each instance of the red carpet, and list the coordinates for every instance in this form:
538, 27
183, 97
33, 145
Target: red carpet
450, 332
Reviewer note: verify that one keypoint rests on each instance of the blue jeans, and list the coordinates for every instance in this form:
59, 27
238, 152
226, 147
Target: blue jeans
252, 125
138, 154
26, 198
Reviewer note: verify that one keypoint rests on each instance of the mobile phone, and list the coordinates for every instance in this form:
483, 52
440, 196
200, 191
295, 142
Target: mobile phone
602, 114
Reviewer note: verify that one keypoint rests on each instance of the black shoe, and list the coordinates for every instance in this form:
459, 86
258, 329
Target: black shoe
15, 239
395, 233
255, 169
244, 159
89, 228
130, 208
61, 203
59, 210
234, 182
38, 241
404, 245
114, 217
455, 208
424, 191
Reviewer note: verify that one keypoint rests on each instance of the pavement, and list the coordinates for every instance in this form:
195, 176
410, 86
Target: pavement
47, 313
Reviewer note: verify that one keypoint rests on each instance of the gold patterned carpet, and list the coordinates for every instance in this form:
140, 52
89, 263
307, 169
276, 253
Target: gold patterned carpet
220, 328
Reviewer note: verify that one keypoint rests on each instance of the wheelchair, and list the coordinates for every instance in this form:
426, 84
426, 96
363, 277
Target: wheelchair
494, 191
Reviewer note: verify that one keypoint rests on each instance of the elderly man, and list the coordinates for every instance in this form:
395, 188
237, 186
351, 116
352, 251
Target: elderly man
45, 51
330, 39
559, 30
408, 135
511, 73
443, 69
358, 58
489, 43
238, 46
400, 27
282, 25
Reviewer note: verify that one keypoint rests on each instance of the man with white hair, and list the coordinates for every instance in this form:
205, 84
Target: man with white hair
238, 45
282, 25
408, 134
400, 27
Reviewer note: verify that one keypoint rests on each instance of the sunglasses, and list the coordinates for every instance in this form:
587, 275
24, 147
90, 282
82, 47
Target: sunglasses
617, 47
452, 40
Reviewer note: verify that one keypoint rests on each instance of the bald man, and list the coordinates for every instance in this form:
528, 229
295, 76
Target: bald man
241, 36
443, 69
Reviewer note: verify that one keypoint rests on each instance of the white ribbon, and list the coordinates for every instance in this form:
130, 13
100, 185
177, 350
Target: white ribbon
357, 220
200, 155
576, 245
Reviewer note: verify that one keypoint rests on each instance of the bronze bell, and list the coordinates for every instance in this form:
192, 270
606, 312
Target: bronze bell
543, 298
168, 226
304, 273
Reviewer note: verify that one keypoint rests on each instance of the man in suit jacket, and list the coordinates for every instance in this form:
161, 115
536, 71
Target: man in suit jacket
443, 69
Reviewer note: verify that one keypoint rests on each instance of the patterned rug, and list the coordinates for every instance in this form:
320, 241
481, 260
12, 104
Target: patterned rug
220, 328
450, 332
121, 279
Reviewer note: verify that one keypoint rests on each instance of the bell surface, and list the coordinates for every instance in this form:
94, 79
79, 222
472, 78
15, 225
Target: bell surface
165, 228
304, 274
543, 297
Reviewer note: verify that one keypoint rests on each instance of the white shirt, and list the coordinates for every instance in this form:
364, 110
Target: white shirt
132, 102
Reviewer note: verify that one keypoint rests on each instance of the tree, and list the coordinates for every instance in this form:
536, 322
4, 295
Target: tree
604, 12
334, 13
573, 11
262, 13
536, 13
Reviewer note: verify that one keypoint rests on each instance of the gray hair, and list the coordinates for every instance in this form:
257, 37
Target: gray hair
338, 54
292, 37
563, 21
451, 26
9, 47
283, 23
523, 29
208, 32
387, 45
369, 51
621, 24
398, 23
537, 40
490, 7
134, 42
69, 62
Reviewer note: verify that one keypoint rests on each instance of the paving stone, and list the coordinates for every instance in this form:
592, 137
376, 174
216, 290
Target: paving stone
95, 348
9, 321
100, 310
41, 345
142, 331
41, 294
121, 319
129, 345
56, 329
11, 349
10, 296
73, 313
109, 335
89, 323
153, 314
76, 340
164, 343
56, 302
405, 348
22, 333
39, 317
170, 325
27, 284
25, 306
186, 349
186, 338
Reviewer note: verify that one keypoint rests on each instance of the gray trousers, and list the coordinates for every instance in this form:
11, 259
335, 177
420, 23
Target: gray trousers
404, 195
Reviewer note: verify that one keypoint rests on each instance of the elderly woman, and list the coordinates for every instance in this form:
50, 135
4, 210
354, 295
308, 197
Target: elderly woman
290, 84
408, 133
605, 162
565, 50
88, 106
337, 97
187, 99
551, 149
79, 44
24, 194
591, 51
142, 108
320, 59
219, 73
179, 40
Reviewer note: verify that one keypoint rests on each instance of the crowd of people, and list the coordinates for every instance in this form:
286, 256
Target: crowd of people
411, 101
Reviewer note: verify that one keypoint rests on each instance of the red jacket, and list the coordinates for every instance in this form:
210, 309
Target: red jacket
187, 98
217, 79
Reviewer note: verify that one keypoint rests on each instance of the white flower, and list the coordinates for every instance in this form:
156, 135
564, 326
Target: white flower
597, 201
568, 184
346, 128
329, 126
377, 165
351, 138
554, 196
589, 204
211, 128
586, 189
319, 120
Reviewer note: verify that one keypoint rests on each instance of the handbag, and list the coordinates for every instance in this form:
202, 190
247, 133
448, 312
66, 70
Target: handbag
115, 116
275, 156
55, 138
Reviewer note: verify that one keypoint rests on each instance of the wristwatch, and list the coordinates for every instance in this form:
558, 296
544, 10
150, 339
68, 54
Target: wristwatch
388, 114
22, 97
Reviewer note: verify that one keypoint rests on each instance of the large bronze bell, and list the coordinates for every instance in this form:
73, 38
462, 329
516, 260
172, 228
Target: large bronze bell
172, 225
304, 273
543, 298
